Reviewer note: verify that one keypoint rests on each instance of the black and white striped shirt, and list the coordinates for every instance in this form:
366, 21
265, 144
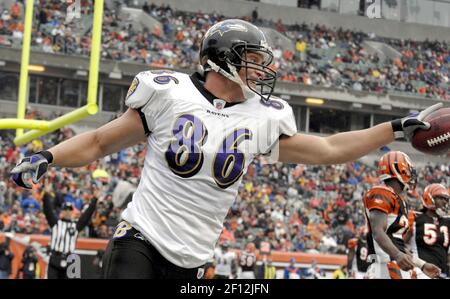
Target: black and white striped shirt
64, 236
65, 232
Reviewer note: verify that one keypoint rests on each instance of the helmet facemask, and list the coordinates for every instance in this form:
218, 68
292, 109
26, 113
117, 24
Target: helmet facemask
441, 210
262, 86
436, 198
413, 181
236, 59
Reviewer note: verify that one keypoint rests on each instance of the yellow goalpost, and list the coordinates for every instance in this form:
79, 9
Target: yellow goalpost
42, 127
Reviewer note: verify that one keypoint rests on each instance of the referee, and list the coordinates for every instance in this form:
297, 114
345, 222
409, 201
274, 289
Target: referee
64, 231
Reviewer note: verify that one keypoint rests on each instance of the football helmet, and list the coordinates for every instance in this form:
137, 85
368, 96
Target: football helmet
429, 195
250, 247
398, 165
225, 245
224, 48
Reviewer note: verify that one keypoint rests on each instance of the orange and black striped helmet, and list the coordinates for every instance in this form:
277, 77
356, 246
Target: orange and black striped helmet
431, 192
398, 165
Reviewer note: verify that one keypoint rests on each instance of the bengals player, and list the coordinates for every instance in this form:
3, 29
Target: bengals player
386, 209
247, 262
430, 232
358, 252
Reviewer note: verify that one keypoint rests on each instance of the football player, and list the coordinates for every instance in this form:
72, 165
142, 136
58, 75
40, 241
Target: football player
430, 233
247, 262
202, 131
386, 209
224, 262
358, 252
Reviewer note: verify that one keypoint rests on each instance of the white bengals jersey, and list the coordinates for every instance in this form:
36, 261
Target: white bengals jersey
223, 261
198, 150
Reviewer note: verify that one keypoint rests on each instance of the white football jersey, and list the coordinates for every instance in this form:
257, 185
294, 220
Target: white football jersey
223, 261
198, 151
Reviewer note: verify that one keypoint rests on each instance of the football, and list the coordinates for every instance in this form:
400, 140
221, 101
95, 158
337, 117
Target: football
436, 140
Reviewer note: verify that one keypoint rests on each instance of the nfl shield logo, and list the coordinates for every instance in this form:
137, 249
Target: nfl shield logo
219, 104
200, 273
133, 87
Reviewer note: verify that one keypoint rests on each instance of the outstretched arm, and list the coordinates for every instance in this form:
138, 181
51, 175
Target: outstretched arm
334, 149
125, 131
349, 146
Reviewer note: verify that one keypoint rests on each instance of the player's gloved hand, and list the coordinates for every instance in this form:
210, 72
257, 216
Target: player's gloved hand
404, 261
405, 127
36, 165
431, 270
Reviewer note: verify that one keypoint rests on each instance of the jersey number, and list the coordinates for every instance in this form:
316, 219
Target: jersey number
430, 234
403, 222
272, 103
247, 260
363, 252
185, 156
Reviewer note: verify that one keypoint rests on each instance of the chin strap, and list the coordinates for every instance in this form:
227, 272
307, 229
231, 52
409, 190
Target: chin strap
405, 187
235, 77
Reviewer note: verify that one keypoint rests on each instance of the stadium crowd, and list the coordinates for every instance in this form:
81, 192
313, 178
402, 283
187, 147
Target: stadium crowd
320, 56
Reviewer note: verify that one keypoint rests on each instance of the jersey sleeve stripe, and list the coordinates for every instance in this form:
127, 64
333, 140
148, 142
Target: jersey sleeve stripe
380, 202
394, 271
380, 208
144, 121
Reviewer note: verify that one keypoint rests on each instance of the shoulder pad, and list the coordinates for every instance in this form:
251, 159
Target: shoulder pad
381, 198
276, 103
146, 84
160, 79
383, 190
280, 111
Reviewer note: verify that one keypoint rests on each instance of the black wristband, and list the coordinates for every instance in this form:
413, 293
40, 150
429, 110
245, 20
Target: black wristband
397, 128
47, 155
397, 125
